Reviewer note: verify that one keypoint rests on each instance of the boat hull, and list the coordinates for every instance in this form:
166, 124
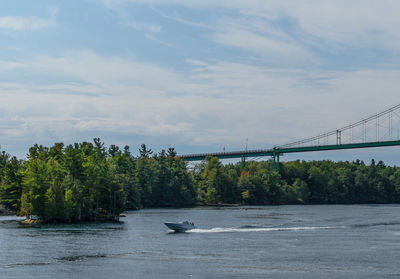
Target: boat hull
179, 227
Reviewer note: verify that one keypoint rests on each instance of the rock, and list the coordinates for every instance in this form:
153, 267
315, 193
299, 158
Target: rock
5, 212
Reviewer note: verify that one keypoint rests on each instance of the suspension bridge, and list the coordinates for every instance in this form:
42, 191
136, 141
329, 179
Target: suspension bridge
379, 130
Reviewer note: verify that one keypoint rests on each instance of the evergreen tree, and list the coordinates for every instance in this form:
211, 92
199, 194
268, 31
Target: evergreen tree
11, 184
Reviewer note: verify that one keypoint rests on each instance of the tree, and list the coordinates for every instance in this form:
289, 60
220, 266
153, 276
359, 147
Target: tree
55, 194
213, 179
113, 150
144, 152
171, 152
145, 178
182, 188
317, 181
37, 182
11, 184
301, 191
4, 157
125, 167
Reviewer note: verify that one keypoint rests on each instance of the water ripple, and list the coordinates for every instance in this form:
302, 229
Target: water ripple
259, 229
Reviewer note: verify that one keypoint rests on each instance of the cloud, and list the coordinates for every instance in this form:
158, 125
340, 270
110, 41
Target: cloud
220, 103
195, 62
107, 73
10, 65
262, 44
21, 23
148, 28
150, 31
360, 23
18, 23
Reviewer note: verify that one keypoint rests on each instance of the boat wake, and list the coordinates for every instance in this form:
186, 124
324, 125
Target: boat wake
258, 229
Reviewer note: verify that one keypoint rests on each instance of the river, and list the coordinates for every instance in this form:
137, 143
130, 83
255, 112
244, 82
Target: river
312, 241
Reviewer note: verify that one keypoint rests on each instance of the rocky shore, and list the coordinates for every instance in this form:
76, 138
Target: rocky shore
5, 212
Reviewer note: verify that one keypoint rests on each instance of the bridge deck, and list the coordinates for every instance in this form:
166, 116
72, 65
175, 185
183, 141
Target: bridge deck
228, 155
278, 151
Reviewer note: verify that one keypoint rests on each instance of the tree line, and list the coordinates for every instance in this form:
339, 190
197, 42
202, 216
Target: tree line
88, 181
299, 182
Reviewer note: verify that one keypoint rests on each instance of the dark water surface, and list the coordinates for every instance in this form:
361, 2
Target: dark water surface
335, 241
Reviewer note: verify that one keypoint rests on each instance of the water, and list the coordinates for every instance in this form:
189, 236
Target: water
335, 241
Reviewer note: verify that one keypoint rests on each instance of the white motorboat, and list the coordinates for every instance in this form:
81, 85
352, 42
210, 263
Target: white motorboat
181, 226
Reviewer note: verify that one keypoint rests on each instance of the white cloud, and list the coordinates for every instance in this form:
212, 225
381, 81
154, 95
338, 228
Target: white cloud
270, 47
148, 28
195, 62
111, 75
362, 23
216, 104
10, 65
19, 23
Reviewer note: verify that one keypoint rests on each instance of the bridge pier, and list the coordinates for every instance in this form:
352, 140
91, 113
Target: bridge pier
276, 162
243, 162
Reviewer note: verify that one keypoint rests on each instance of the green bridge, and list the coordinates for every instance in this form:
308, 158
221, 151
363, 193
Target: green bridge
377, 130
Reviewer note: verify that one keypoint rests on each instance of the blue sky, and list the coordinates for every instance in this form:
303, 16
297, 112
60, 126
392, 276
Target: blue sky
197, 75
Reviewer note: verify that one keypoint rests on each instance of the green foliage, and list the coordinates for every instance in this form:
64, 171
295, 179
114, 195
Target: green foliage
78, 183
11, 184
301, 191
165, 181
300, 182
87, 181
37, 182
218, 183
4, 157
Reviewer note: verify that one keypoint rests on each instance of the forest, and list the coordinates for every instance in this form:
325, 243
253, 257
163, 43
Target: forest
91, 182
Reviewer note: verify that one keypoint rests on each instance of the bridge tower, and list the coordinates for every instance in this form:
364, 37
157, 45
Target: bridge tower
275, 156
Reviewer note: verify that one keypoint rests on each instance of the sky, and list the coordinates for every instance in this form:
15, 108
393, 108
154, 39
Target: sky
196, 75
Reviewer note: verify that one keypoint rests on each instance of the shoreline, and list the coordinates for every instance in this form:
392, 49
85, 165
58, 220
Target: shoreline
6, 212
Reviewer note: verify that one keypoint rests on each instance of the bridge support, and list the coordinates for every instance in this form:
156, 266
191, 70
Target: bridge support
243, 162
276, 162
338, 137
